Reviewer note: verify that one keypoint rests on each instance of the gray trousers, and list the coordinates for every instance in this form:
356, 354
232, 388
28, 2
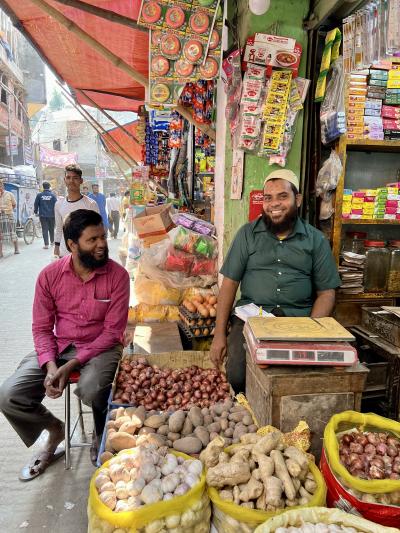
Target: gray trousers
236, 363
21, 395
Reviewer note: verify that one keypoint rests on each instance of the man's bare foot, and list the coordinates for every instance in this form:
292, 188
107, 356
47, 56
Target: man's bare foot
56, 435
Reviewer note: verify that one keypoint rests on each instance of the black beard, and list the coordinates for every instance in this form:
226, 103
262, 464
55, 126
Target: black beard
89, 261
286, 225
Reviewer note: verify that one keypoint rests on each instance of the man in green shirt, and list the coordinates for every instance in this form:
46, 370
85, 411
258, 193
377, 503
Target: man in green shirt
282, 263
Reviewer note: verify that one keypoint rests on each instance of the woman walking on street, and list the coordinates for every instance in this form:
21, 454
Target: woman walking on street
7, 221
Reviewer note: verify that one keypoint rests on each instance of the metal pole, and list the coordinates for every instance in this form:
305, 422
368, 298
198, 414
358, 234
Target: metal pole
9, 130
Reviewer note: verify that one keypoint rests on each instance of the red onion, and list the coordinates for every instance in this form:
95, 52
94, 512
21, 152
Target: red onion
356, 447
392, 451
373, 438
347, 438
381, 448
376, 473
392, 441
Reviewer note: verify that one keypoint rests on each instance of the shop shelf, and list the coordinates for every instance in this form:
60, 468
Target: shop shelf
366, 295
348, 221
369, 145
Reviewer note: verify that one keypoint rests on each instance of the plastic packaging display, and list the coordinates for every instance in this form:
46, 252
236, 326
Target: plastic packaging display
328, 175
332, 112
190, 242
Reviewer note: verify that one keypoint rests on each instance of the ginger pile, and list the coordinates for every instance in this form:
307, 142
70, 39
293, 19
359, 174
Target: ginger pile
260, 473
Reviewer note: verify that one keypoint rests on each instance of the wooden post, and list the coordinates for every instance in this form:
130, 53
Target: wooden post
107, 115
115, 60
104, 14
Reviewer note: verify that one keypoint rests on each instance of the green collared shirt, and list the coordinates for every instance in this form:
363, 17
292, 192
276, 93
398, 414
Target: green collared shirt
281, 273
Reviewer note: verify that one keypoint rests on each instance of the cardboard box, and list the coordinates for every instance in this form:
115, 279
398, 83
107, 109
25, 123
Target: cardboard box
153, 221
149, 241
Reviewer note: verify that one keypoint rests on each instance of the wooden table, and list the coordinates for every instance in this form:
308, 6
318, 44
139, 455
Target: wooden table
283, 395
156, 337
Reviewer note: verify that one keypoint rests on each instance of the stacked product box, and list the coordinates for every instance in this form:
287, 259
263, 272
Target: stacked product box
367, 204
374, 105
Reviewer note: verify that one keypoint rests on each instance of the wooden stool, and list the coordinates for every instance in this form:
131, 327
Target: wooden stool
73, 379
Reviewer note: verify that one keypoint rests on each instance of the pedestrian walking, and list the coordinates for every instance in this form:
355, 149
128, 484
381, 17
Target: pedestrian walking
113, 204
73, 201
125, 203
100, 199
44, 207
7, 220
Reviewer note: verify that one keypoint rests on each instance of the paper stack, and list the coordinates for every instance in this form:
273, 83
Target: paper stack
351, 270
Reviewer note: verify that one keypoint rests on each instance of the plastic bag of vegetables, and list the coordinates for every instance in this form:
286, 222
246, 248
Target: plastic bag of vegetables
149, 490
361, 464
323, 519
257, 479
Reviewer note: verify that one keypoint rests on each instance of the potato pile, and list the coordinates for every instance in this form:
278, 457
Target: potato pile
260, 473
185, 431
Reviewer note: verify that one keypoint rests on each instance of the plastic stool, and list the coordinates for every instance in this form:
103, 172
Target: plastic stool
73, 378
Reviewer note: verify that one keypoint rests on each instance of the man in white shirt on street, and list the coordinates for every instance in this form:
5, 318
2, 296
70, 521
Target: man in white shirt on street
74, 200
113, 205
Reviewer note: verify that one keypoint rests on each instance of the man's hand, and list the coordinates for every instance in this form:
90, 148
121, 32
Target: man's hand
55, 382
218, 350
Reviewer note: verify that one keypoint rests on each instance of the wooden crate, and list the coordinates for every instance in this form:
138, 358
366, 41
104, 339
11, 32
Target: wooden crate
283, 395
348, 311
385, 324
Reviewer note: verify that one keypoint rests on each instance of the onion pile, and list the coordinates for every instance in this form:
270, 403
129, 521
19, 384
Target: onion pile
139, 383
370, 455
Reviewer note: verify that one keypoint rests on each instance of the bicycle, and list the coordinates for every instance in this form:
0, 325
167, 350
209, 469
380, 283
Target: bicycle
31, 229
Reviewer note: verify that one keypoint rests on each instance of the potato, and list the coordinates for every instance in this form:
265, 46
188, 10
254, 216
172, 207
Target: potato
122, 441
236, 416
208, 419
247, 420
128, 427
202, 434
252, 429
105, 456
205, 411
187, 427
196, 416
173, 436
146, 431
218, 408
189, 445
224, 414
140, 413
155, 421
163, 430
228, 433
110, 424
176, 421
130, 411
215, 427
121, 420
224, 424
113, 414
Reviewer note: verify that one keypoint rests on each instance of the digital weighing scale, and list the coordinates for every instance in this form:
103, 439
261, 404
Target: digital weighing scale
297, 347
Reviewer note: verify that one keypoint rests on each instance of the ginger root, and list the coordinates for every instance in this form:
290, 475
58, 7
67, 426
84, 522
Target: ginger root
294, 453
268, 443
210, 455
251, 491
282, 473
226, 495
273, 491
293, 467
230, 474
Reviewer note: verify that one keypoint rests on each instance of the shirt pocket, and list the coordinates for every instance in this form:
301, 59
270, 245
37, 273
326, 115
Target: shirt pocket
98, 310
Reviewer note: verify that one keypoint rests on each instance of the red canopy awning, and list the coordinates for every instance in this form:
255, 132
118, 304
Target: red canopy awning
77, 63
133, 148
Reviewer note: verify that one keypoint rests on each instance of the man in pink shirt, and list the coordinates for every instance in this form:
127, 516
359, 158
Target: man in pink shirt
80, 312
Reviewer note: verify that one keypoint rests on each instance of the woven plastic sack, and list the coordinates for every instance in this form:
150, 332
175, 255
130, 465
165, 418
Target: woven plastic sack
231, 518
338, 495
190, 512
153, 292
365, 422
316, 515
153, 313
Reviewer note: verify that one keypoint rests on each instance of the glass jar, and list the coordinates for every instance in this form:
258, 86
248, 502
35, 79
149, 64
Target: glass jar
394, 268
376, 270
354, 242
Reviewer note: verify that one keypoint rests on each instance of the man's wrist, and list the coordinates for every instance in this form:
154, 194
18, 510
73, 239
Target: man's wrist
73, 363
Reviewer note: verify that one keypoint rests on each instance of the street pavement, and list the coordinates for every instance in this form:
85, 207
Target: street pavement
55, 501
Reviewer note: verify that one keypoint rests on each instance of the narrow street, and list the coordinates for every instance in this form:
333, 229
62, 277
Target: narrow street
55, 501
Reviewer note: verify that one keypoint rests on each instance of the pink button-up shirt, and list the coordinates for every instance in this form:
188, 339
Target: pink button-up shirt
91, 315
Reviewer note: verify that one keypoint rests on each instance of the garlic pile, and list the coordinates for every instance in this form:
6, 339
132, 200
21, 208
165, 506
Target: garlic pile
145, 475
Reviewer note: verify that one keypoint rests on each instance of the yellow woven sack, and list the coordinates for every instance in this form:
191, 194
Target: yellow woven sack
231, 518
316, 515
365, 422
153, 313
190, 512
153, 292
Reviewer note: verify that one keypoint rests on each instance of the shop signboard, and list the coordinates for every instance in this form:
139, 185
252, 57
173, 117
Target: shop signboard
255, 204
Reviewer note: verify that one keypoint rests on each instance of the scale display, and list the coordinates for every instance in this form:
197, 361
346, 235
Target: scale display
331, 354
